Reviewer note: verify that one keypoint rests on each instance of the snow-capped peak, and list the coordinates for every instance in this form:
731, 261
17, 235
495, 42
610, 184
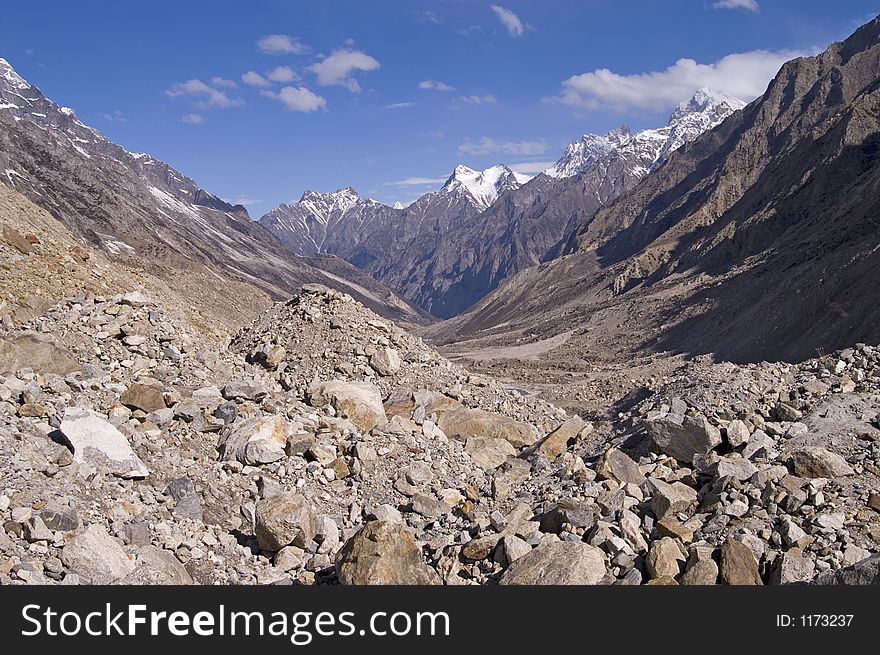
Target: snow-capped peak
582, 153
398, 205
13, 79
484, 187
645, 150
706, 100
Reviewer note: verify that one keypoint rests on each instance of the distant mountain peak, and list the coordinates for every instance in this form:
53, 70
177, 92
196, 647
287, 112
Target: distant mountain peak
483, 187
646, 149
706, 100
398, 205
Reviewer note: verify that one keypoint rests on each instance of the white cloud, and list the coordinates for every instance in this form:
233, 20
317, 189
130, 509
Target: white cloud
338, 67
510, 20
400, 105
192, 119
487, 145
282, 74
252, 78
222, 83
298, 98
211, 98
281, 44
744, 75
749, 5
418, 181
435, 85
116, 117
487, 99
29, 51
428, 17
531, 167
243, 200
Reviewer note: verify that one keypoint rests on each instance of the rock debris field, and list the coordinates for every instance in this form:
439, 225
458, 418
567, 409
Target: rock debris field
325, 445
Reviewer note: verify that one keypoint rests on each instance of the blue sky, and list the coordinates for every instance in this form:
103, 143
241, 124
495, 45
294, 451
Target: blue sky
259, 101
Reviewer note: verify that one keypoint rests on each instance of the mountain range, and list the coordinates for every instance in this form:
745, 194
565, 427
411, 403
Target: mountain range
451, 247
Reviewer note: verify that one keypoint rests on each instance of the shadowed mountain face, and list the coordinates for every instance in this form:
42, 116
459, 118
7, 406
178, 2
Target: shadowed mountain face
133, 205
451, 247
759, 240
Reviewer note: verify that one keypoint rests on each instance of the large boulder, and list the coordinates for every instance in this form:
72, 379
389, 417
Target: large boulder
558, 441
465, 423
383, 553
682, 437
489, 453
557, 563
738, 564
39, 352
258, 440
284, 520
155, 566
145, 397
98, 444
385, 361
816, 462
96, 556
361, 402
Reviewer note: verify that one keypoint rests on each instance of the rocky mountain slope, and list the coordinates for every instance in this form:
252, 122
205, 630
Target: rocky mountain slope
453, 246
134, 450
131, 204
757, 241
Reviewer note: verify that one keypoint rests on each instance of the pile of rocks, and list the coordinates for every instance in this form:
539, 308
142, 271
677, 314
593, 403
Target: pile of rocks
324, 444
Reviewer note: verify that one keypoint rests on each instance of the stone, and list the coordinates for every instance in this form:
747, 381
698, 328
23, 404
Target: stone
38, 352
147, 398
289, 558
736, 468
853, 554
155, 566
669, 499
786, 412
792, 534
575, 513
245, 390
557, 563
428, 506
35, 530
792, 567
616, 465
17, 241
682, 437
385, 361
514, 548
557, 442
488, 452
187, 502
61, 520
98, 444
701, 568
284, 520
816, 462
388, 513
738, 564
95, 555
865, 572
737, 433
135, 299
874, 501
383, 553
684, 532
480, 548
465, 423
361, 402
665, 558
258, 440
